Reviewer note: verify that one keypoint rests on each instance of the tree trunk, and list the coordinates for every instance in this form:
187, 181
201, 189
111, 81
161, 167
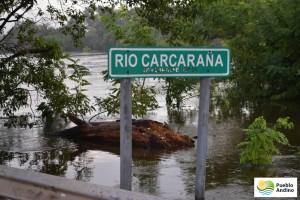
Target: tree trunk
145, 133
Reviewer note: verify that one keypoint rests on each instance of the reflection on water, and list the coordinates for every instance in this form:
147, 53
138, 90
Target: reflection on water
161, 173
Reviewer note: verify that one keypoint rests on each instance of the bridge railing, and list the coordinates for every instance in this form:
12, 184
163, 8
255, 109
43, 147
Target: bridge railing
26, 184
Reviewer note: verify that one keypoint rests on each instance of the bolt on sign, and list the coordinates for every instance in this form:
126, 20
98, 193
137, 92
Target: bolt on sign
147, 62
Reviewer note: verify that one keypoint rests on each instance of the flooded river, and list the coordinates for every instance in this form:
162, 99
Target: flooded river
161, 173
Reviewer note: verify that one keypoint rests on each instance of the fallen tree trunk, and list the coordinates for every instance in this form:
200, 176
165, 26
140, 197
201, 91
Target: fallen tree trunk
145, 133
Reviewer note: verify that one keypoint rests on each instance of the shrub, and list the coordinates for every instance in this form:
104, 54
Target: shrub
260, 143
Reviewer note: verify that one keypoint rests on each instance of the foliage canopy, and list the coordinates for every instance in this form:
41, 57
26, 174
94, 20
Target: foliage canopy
263, 34
33, 71
265, 39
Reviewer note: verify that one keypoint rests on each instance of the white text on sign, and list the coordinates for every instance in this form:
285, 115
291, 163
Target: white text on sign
172, 60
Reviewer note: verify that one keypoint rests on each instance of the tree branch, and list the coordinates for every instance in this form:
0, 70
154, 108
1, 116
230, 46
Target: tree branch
13, 12
23, 53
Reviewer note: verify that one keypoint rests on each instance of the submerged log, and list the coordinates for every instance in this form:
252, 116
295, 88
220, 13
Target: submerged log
145, 133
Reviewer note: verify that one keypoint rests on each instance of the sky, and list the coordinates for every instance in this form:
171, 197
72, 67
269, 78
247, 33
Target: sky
32, 14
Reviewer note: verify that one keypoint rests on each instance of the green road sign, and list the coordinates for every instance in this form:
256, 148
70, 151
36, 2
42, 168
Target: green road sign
142, 62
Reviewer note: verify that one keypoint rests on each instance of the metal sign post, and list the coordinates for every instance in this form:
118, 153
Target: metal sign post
202, 138
126, 135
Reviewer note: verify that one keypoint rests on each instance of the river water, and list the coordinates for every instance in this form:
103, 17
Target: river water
161, 173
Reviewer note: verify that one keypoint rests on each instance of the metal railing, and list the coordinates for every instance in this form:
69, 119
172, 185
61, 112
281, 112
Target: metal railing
26, 184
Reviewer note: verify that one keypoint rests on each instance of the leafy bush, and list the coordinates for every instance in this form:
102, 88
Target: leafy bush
259, 145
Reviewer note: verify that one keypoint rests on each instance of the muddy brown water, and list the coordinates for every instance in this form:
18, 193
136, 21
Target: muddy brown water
161, 173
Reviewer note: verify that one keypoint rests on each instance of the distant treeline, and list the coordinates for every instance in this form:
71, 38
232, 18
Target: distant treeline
97, 37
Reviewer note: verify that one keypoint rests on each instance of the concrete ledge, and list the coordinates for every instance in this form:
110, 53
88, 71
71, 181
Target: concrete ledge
25, 184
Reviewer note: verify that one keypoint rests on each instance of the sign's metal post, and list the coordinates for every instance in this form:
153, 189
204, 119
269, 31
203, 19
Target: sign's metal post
126, 135
202, 138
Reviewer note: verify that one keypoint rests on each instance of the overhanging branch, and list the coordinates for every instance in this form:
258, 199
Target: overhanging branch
25, 52
23, 4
